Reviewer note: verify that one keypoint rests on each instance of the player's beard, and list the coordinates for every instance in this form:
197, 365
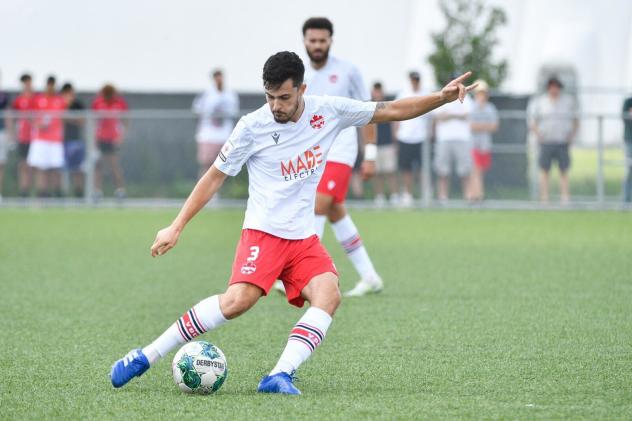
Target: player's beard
285, 117
320, 59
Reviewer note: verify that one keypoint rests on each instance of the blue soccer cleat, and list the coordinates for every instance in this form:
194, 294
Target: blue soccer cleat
278, 383
132, 365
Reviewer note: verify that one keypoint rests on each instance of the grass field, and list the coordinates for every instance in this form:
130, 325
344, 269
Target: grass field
485, 315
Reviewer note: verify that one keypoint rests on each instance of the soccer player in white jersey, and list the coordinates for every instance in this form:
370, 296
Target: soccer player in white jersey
284, 145
328, 75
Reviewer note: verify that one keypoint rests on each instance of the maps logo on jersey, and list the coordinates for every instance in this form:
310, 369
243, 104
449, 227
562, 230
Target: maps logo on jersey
317, 121
303, 165
333, 78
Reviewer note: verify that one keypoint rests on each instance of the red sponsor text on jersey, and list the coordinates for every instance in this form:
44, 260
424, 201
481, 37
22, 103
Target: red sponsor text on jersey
303, 165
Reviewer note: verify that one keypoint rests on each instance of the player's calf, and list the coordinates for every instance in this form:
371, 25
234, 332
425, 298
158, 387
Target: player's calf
207, 315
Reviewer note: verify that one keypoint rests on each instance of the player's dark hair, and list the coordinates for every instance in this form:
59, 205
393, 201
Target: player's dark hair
281, 67
25, 78
377, 85
554, 80
318, 23
67, 87
217, 72
108, 92
50, 80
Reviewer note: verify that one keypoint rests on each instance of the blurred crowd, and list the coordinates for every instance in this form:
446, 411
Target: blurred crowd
47, 129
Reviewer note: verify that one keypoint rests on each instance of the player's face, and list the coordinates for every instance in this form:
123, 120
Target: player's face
68, 96
377, 94
554, 90
219, 81
317, 43
27, 85
481, 97
285, 101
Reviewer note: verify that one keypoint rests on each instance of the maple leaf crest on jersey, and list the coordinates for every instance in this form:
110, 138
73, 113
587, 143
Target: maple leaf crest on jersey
317, 121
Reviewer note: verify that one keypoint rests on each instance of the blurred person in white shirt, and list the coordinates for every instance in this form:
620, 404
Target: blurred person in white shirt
553, 120
216, 108
410, 135
483, 122
386, 162
454, 146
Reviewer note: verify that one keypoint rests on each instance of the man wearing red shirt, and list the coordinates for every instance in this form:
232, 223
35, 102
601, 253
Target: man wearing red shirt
20, 130
46, 153
110, 134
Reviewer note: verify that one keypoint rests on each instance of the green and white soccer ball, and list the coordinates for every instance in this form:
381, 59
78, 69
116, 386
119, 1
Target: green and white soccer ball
199, 367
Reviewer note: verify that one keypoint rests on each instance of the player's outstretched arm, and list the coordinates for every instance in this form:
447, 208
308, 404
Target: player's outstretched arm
407, 108
203, 191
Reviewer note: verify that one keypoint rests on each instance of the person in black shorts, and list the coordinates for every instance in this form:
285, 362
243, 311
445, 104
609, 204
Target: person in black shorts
20, 130
553, 120
74, 143
410, 137
110, 108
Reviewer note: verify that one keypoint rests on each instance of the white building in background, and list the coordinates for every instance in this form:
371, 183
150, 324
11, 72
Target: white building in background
163, 46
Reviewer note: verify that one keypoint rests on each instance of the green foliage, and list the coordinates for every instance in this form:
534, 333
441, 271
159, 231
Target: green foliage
468, 41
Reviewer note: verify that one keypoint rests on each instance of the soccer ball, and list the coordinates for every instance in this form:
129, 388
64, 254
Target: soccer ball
199, 367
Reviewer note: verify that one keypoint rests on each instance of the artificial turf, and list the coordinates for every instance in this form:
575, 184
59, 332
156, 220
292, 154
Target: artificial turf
484, 315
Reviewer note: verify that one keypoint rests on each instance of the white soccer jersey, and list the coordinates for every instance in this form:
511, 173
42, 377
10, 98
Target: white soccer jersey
285, 161
339, 78
216, 111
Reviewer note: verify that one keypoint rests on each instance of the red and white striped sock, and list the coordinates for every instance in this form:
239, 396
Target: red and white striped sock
349, 238
202, 317
307, 334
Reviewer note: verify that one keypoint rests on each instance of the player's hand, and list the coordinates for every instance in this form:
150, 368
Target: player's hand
367, 169
166, 239
456, 89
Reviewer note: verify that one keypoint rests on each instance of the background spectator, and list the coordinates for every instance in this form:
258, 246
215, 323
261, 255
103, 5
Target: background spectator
386, 163
553, 120
110, 134
4, 139
483, 122
454, 145
21, 130
627, 138
46, 153
410, 135
74, 141
216, 108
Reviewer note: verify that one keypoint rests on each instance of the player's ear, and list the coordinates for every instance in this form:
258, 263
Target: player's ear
301, 89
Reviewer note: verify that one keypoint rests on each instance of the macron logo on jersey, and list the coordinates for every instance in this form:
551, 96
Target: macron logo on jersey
303, 165
317, 121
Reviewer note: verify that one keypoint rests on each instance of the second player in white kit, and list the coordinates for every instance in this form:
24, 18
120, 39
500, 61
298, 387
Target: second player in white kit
329, 75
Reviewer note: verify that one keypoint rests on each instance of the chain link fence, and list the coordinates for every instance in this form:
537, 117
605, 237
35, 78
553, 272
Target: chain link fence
158, 158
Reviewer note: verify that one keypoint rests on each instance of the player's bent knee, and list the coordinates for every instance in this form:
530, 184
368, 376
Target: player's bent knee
323, 292
238, 299
323, 204
336, 212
